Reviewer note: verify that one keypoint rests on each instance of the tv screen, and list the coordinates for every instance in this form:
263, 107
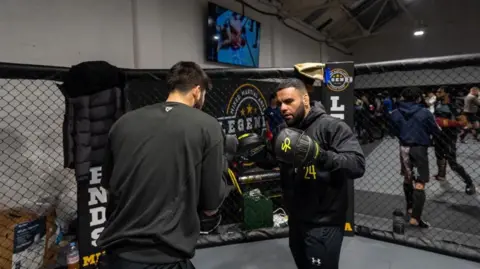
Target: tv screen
232, 37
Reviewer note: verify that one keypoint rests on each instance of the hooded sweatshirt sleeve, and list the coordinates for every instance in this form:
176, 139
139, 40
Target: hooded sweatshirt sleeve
344, 153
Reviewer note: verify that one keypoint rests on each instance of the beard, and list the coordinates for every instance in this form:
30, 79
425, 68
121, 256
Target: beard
298, 116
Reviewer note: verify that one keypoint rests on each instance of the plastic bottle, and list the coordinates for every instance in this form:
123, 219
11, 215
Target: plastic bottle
73, 256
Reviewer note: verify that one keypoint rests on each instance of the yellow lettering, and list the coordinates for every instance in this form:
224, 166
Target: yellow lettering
92, 259
286, 144
348, 227
89, 260
310, 172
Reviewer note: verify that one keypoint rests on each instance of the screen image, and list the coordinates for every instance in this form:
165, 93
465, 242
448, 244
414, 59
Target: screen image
232, 38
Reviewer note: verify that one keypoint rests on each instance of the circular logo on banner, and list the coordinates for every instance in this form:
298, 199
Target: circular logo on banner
339, 80
245, 108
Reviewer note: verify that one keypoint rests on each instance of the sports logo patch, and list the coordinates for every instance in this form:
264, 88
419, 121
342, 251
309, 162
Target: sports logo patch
244, 112
338, 79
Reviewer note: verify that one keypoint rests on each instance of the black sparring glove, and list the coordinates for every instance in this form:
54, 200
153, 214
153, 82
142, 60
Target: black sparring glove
294, 147
257, 149
252, 146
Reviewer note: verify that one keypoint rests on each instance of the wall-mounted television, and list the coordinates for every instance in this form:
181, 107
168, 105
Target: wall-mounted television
232, 38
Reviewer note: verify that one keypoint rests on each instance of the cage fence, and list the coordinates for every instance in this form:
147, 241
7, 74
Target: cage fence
34, 180
451, 211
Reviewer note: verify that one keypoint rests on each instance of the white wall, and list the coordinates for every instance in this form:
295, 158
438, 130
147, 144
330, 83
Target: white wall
452, 29
131, 33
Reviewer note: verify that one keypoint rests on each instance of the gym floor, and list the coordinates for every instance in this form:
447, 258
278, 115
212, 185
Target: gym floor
357, 253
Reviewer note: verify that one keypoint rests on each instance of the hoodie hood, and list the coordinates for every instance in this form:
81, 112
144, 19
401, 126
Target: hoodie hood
316, 110
409, 108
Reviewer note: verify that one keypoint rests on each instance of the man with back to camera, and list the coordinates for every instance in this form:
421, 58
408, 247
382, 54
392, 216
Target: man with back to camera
317, 154
414, 125
164, 162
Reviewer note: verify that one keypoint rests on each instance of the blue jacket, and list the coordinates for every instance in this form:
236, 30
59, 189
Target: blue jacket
413, 124
387, 105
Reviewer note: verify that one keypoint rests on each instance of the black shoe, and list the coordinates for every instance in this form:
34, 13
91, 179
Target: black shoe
421, 224
470, 189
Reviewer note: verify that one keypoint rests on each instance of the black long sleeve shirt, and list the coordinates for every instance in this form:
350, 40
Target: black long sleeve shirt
164, 163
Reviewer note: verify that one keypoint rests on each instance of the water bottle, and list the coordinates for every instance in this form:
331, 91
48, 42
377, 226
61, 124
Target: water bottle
73, 256
398, 222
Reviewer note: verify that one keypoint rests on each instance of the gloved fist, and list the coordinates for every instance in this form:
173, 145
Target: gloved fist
252, 146
294, 147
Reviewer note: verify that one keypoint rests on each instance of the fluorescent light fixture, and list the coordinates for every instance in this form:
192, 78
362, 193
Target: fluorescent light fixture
418, 33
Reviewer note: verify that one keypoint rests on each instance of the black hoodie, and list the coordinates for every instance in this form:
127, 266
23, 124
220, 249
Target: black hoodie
320, 195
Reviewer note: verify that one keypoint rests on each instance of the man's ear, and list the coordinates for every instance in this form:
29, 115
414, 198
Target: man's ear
306, 99
197, 92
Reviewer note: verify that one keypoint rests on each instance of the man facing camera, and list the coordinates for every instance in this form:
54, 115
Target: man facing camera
164, 163
317, 155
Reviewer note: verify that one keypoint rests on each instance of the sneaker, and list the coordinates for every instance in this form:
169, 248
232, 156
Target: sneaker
470, 189
421, 224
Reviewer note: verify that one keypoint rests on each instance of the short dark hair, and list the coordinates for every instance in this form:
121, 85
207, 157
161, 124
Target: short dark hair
411, 94
292, 83
184, 76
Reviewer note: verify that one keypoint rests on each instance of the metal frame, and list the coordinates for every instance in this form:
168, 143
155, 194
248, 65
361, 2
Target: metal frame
365, 32
354, 19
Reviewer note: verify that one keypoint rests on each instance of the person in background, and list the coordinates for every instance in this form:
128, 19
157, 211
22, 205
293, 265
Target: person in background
163, 167
273, 116
423, 101
357, 118
379, 119
431, 100
414, 125
367, 119
388, 106
445, 142
478, 115
387, 102
470, 109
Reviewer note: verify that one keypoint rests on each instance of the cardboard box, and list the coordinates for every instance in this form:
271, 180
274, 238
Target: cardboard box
27, 240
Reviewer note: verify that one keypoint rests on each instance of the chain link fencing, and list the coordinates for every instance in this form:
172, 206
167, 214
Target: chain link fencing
36, 192
34, 182
452, 213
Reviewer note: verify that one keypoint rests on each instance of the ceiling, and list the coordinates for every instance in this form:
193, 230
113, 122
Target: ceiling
342, 21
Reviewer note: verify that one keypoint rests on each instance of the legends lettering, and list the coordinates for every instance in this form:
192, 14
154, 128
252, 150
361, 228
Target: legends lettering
239, 125
96, 204
335, 108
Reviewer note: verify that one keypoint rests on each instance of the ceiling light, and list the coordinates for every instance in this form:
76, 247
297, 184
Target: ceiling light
418, 33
